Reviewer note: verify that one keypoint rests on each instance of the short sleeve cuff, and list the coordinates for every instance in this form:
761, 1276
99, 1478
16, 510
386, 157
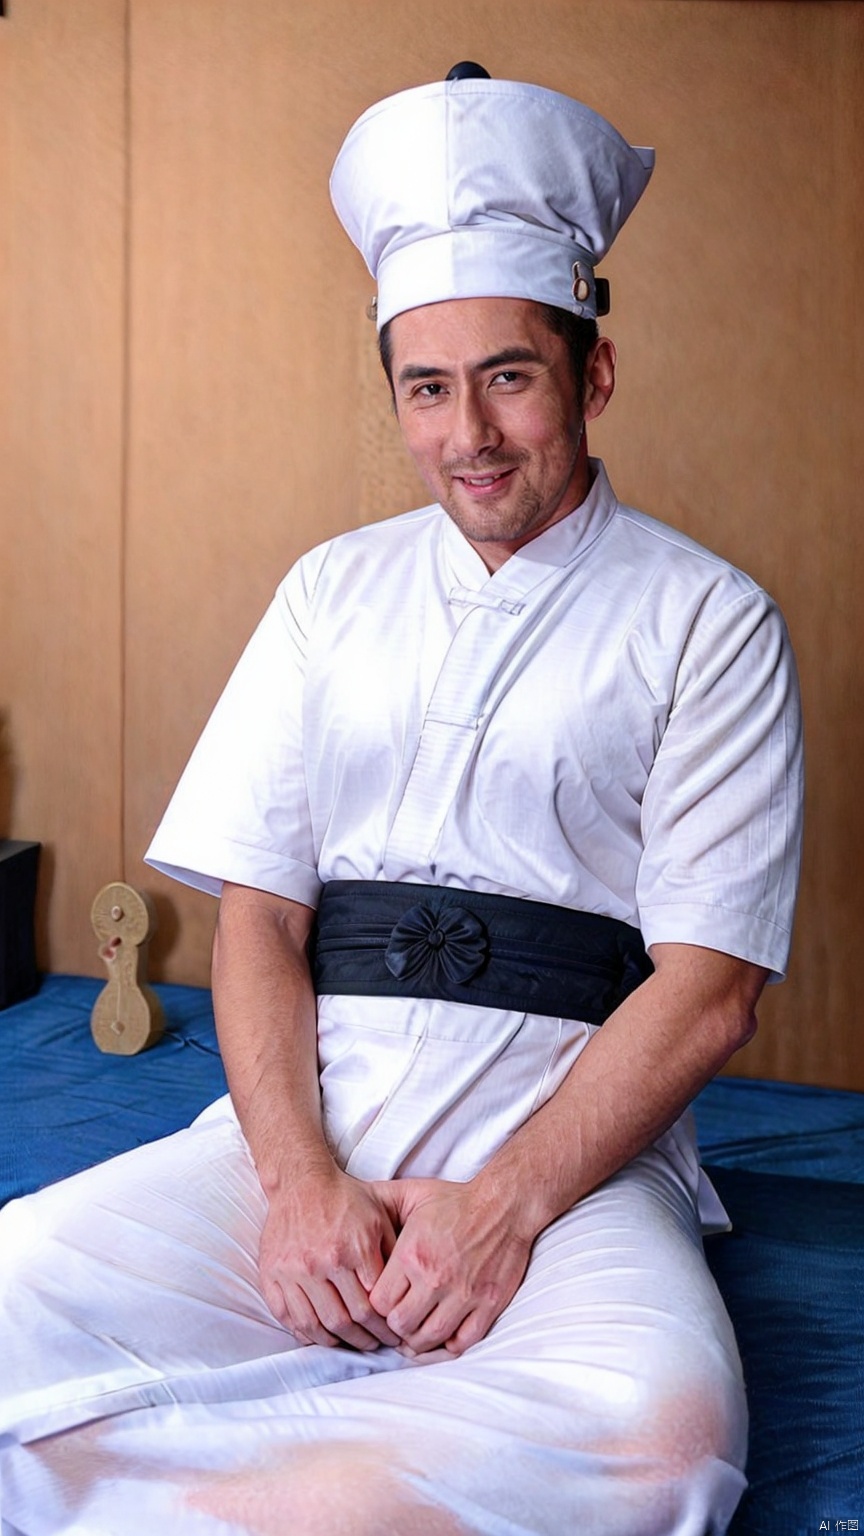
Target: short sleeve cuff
713, 927
238, 863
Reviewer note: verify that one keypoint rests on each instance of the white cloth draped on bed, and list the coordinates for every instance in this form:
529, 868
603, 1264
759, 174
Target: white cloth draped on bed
147, 1387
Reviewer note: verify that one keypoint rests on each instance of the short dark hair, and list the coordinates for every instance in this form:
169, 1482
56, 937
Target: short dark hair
578, 334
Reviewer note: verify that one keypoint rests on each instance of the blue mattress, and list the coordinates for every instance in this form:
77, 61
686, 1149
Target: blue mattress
66, 1105
788, 1162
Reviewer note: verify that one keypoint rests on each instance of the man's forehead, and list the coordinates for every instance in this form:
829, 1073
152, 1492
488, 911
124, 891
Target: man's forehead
477, 330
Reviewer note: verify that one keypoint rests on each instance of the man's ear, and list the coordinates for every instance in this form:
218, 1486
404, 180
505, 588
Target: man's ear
599, 378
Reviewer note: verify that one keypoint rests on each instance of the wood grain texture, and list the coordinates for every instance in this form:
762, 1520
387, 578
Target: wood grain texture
62, 222
258, 423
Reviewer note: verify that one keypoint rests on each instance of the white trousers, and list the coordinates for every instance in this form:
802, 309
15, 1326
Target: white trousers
146, 1389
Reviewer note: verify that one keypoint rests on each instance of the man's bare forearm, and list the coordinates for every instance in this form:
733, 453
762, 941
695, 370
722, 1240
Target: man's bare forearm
631, 1082
266, 1022
326, 1236
634, 1078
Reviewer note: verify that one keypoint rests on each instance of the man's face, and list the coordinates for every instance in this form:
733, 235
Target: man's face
487, 404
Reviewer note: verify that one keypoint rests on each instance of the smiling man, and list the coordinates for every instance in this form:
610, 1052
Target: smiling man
502, 805
496, 423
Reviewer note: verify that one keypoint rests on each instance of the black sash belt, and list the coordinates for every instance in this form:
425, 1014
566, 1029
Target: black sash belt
374, 939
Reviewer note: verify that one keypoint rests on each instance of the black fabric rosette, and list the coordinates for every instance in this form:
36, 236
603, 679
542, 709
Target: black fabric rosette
451, 945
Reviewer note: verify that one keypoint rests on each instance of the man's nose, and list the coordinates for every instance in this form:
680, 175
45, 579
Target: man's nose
474, 430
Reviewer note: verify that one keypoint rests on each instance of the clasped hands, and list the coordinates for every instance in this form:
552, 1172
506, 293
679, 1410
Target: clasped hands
417, 1264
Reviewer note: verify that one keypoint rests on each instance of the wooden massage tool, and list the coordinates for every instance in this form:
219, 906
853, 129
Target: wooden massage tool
127, 1015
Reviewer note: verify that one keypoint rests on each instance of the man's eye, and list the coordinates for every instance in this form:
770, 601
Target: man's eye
508, 376
430, 391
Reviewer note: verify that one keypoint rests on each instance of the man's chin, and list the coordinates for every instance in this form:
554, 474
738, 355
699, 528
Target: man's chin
491, 526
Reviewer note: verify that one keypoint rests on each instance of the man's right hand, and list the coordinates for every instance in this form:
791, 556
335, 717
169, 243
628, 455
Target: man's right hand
324, 1244
327, 1236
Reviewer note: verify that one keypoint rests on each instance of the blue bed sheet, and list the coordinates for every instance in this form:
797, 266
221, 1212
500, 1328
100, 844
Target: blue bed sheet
792, 1275
66, 1105
783, 1128
788, 1162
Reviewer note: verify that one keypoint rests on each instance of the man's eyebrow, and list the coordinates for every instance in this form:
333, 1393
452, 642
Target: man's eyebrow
510, 355
414, 371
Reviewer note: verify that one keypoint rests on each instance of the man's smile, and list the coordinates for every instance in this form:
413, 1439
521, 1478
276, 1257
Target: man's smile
484, 484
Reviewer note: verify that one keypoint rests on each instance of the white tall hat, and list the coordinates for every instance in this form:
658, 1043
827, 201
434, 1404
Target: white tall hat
473, 188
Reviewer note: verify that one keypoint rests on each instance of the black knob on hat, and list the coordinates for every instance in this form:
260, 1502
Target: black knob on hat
468, 70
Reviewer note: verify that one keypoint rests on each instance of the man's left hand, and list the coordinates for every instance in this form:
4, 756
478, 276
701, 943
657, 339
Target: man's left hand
456, 1264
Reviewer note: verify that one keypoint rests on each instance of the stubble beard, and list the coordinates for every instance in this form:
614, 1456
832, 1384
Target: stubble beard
500, 521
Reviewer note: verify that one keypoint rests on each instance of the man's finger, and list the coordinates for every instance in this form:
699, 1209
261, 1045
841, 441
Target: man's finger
390, 1288
369, 1268
471, 1330
334, 1317
361, 1310
275, 1299
302, 1319
437, 1328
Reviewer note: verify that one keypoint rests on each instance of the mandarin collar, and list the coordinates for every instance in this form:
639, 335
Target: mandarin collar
555, 547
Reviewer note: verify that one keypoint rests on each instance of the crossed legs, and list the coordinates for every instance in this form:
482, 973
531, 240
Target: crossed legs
147, 1386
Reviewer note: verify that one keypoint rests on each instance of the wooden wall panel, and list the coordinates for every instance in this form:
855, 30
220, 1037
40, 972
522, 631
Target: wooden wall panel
258, 423
243, 393
739, 415
61, 412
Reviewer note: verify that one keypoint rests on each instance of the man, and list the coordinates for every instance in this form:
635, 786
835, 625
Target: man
467, 756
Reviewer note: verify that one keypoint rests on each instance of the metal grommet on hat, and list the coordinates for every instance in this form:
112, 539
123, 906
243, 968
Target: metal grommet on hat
476, 188
581, 282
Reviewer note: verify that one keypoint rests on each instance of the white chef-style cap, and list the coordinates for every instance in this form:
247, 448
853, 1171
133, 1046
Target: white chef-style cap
475, 188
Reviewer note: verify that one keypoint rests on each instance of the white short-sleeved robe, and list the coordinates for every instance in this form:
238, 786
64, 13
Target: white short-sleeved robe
610, 723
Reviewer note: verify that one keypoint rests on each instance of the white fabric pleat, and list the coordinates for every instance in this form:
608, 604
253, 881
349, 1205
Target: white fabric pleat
146, 1387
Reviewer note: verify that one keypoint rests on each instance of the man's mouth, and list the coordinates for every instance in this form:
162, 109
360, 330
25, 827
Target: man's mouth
483, 484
